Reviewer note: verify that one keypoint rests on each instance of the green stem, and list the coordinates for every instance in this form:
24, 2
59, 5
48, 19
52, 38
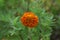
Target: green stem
29, 33
28, 6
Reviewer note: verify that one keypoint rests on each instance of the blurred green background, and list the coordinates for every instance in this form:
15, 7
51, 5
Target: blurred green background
11, 28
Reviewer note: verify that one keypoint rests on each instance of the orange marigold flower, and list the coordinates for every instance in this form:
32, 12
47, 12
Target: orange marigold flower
29, 19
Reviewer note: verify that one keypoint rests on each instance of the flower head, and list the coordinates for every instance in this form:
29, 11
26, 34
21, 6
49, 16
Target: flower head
29, 19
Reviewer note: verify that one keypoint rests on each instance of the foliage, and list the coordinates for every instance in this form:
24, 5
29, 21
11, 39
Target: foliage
11, 11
